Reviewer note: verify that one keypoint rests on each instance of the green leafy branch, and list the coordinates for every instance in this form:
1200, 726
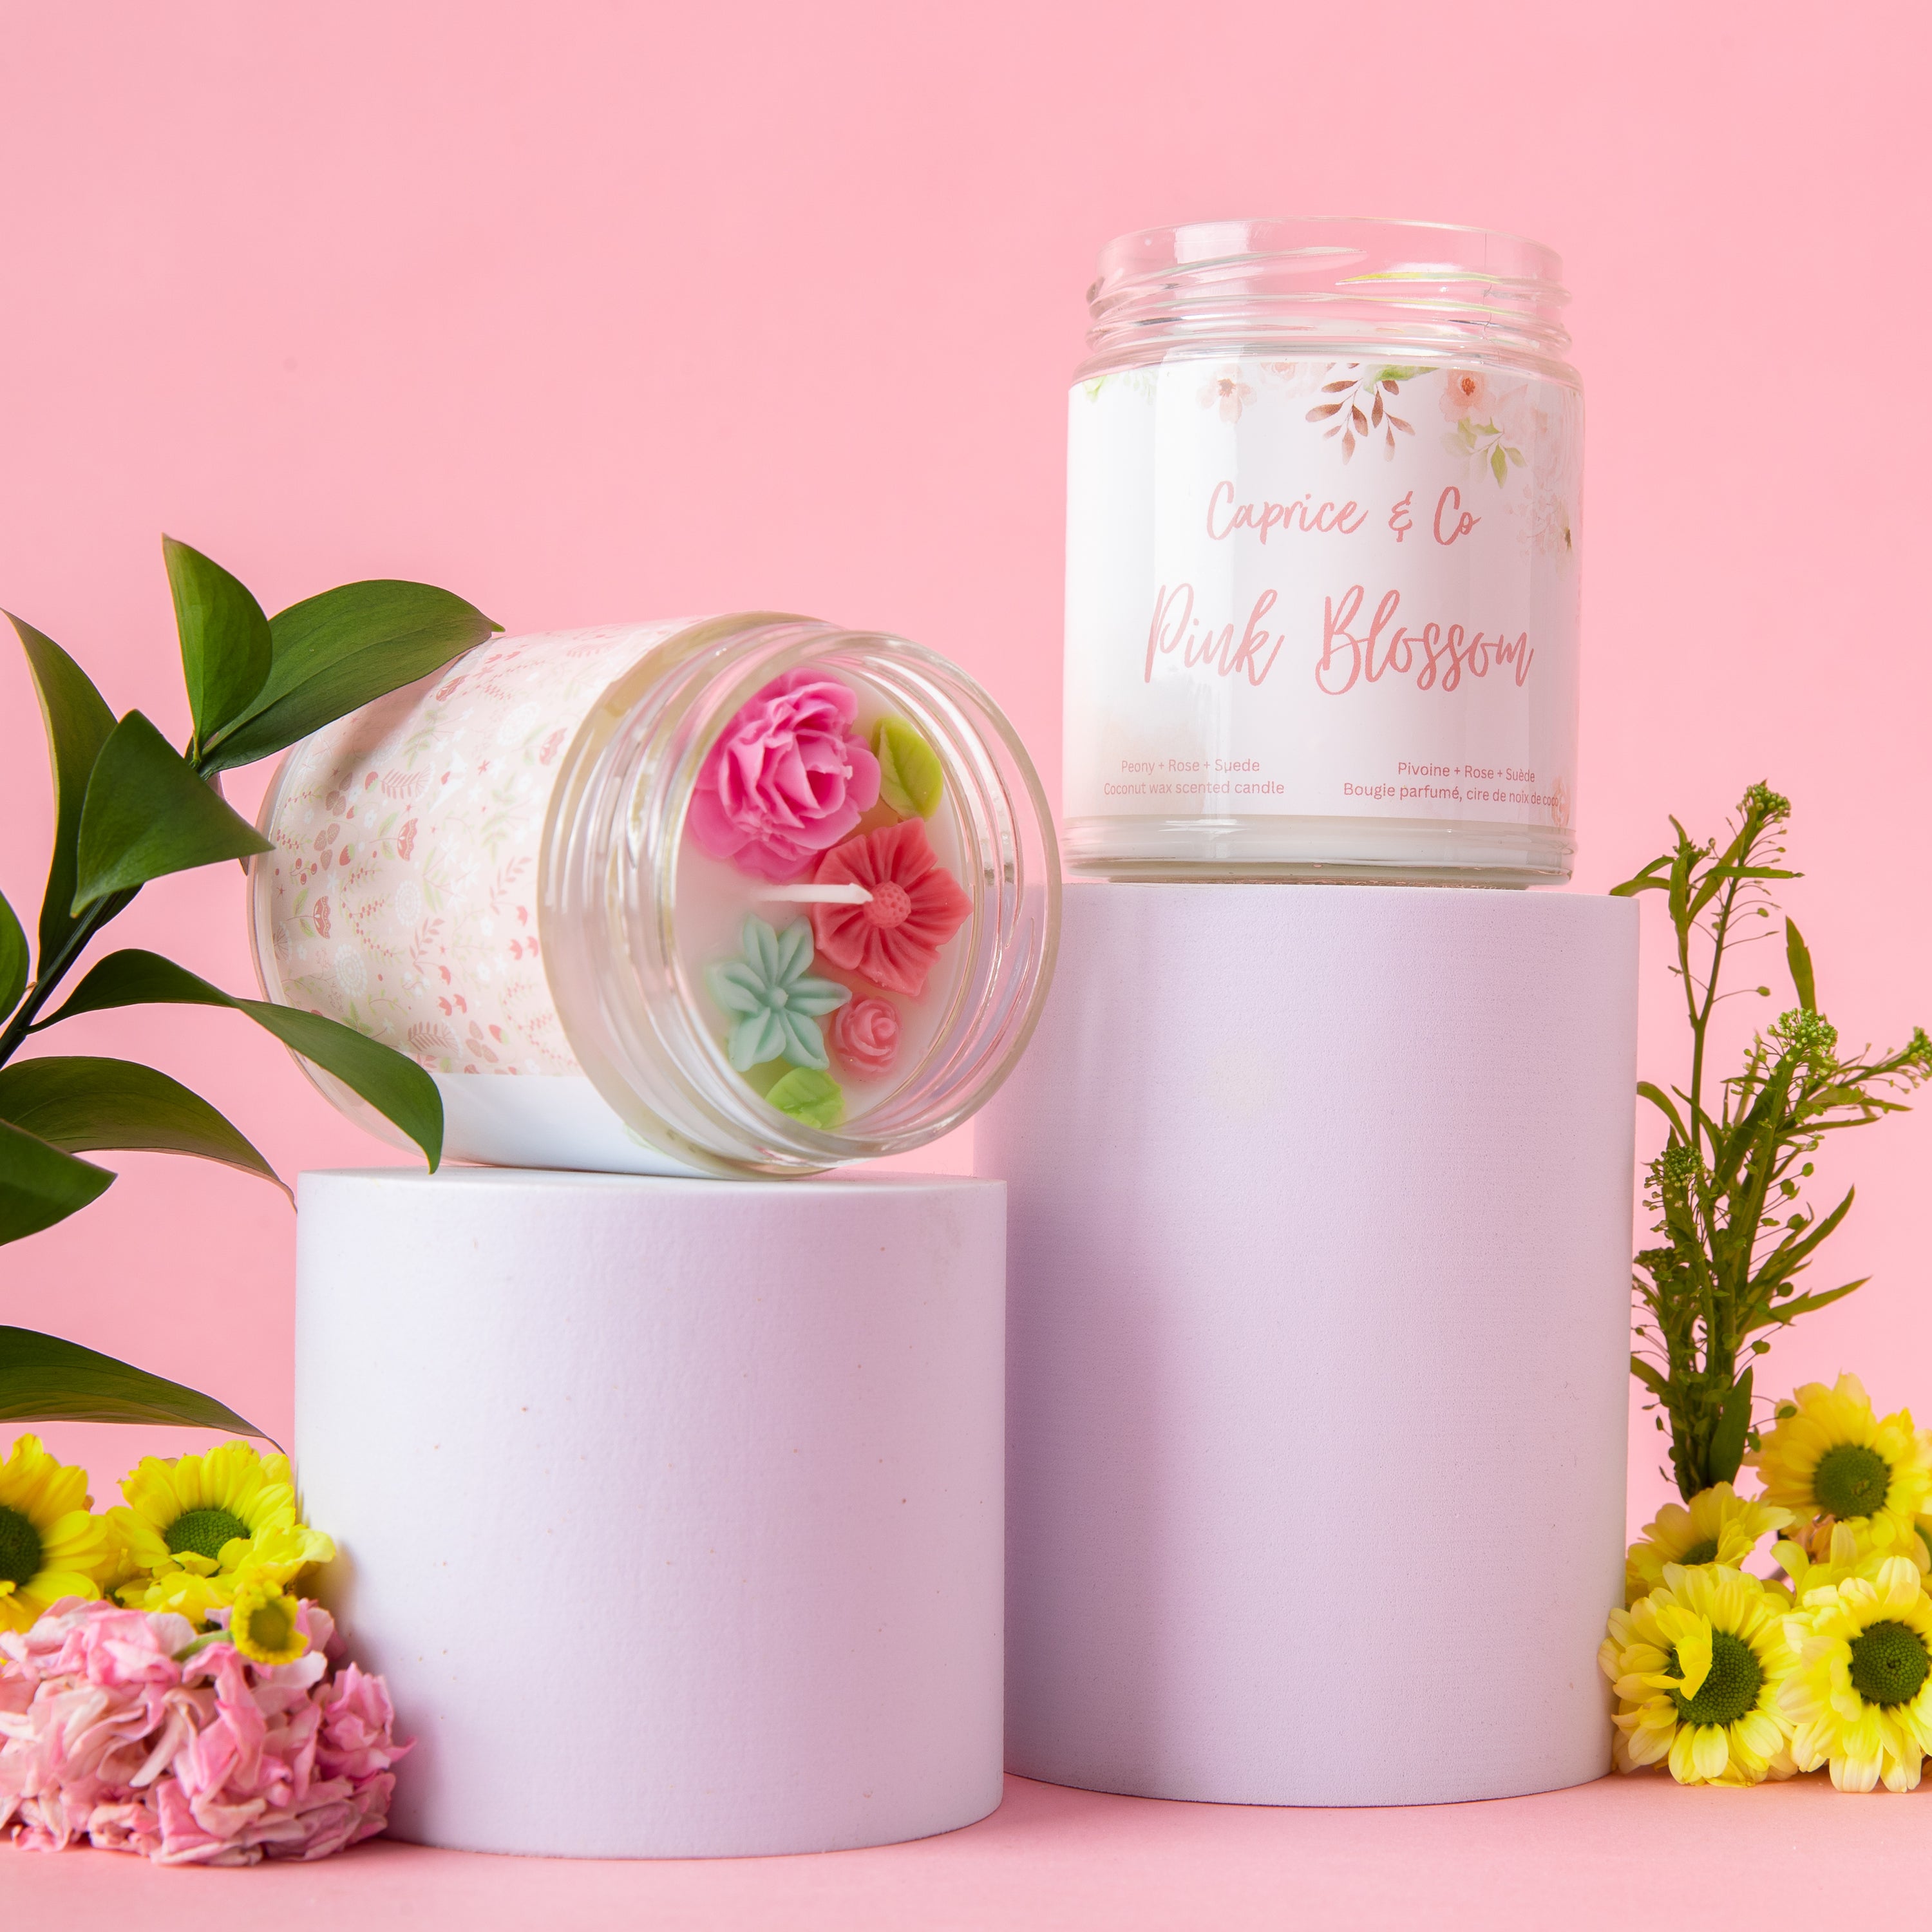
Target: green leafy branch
1728, 1189
129, 809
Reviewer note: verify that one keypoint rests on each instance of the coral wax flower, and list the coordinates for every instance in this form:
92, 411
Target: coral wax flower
50, 1547
916, 906
787, 779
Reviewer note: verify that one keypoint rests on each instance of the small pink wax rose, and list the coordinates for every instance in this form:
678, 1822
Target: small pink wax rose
865, 1034
787, 780
916, 906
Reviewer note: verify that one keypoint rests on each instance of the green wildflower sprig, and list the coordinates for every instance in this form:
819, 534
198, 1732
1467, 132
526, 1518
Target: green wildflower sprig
1728, 1189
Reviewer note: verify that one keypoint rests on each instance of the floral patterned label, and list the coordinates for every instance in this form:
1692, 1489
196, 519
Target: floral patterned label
1322, 588
401, 895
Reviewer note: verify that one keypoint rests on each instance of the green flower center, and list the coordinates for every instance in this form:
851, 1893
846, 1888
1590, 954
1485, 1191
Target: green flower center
269, 1627
1705, 1552
1851, 1479
19, 1548
1889, 1663
1731, 1688
204, 1532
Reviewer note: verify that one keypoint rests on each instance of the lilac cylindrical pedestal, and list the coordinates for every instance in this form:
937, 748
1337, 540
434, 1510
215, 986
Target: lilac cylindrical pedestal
1319, 1206
671, 1509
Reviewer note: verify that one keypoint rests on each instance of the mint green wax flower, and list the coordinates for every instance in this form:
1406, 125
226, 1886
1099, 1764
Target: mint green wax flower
775, 1001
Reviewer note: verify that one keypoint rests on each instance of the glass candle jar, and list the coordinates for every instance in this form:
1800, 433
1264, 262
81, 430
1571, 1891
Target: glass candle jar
751, 896
1322, 558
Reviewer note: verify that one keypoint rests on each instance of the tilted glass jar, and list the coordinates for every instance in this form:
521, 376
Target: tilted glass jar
1322, 558
749, 895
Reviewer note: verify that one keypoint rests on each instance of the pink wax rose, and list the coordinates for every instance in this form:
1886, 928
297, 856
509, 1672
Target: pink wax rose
865, 1034
916, 906
787, 779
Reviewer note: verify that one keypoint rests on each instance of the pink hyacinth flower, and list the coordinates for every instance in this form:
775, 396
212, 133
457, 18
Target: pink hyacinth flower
916, 906
787, 780
106, 1736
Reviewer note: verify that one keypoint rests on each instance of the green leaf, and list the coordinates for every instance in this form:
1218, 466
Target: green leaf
1727, 1439
82, 1104
78, 724
394, 1084
148, 814
1787, 1311
911, 779
340, 650
12, 959
1662, 1101
1499, 463
1646, 1373
225, 647
1797, 957
39, 1185
43, 1379
811, 1097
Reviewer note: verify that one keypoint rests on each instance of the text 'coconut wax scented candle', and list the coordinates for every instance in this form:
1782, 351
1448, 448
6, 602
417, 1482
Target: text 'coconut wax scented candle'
1322, 558
748, 896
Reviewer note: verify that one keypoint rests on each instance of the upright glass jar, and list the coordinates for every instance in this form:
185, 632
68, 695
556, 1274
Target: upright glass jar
1321, 558
749, 895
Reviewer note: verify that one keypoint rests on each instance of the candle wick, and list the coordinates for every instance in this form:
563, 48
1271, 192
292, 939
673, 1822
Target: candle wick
852, 894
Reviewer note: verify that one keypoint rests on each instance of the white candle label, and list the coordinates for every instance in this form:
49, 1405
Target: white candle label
403, 885
1330, 589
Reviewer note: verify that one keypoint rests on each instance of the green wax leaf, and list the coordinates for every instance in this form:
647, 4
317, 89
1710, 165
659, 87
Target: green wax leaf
340, 650
148, 814
39, 1185
12, 959
43, 1379
911, 779
82, 1104
78, 724
811, 1097
225, 647
394, 1084
1797, 957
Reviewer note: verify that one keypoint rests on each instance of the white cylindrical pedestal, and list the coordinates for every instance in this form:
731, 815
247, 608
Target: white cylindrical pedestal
1319, 1204
671, 1509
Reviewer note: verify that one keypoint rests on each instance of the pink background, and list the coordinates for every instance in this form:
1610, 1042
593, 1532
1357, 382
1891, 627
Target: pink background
608, 311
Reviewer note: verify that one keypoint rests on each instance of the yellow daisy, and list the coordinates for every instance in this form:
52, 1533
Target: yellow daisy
195, 1526
1861, 1699
1697, 1665
1719, 1526
1830, 1455
263, 1624
50, 1547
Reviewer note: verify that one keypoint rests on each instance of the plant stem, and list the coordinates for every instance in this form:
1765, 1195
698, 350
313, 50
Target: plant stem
50, 975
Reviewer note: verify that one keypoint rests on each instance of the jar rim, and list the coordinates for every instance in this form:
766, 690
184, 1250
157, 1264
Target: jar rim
612, 854
1204, 286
